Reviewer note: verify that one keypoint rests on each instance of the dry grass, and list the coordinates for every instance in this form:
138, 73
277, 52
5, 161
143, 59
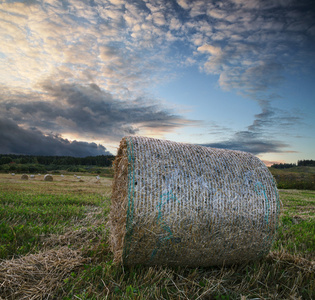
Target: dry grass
37, 276
295, 261
43, 276
60, 185
295, 203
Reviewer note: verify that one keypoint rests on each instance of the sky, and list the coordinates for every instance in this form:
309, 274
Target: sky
77, 76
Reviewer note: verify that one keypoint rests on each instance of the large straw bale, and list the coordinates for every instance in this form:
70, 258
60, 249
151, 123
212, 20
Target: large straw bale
48, 177
182, 204
24, 177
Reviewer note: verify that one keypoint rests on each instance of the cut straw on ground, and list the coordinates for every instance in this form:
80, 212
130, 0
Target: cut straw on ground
37, 276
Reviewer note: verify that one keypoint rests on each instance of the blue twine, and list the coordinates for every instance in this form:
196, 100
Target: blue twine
130, 207
267, 211
169, 234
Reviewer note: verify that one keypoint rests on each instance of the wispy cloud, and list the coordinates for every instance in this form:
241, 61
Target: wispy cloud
250, 142
250, 47
120, 44
251, 44
260, 137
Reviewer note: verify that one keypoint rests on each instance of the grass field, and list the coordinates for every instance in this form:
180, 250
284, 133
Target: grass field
54, 245
302, 177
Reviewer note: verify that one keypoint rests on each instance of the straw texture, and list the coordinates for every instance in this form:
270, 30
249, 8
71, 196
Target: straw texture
37, 276
182, 204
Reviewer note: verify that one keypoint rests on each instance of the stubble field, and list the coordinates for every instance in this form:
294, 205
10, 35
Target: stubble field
54, 245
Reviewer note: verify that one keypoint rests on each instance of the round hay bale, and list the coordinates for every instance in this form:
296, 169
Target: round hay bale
182, 204
24, 177
48, 177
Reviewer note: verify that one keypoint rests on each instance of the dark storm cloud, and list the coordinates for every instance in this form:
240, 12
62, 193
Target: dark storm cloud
88, 110
16, 140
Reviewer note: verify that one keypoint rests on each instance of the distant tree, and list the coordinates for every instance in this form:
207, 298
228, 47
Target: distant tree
283, 166
100, 160
306, 162
5, 160
24, 160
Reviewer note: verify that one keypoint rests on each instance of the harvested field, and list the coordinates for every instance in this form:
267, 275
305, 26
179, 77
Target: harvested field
65, 223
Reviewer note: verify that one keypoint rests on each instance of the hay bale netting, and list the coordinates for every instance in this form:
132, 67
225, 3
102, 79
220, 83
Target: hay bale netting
48, 177
181, 204
24, 177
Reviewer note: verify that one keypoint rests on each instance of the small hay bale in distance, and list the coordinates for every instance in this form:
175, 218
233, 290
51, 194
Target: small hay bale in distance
189, 205
48, 177
24, 177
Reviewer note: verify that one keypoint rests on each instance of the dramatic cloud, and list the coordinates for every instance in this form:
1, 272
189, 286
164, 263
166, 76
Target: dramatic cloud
89, 68
16, 140
66, 108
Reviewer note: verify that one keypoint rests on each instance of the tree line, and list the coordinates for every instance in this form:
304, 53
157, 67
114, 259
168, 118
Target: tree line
39, 164
305, 162
100, 160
